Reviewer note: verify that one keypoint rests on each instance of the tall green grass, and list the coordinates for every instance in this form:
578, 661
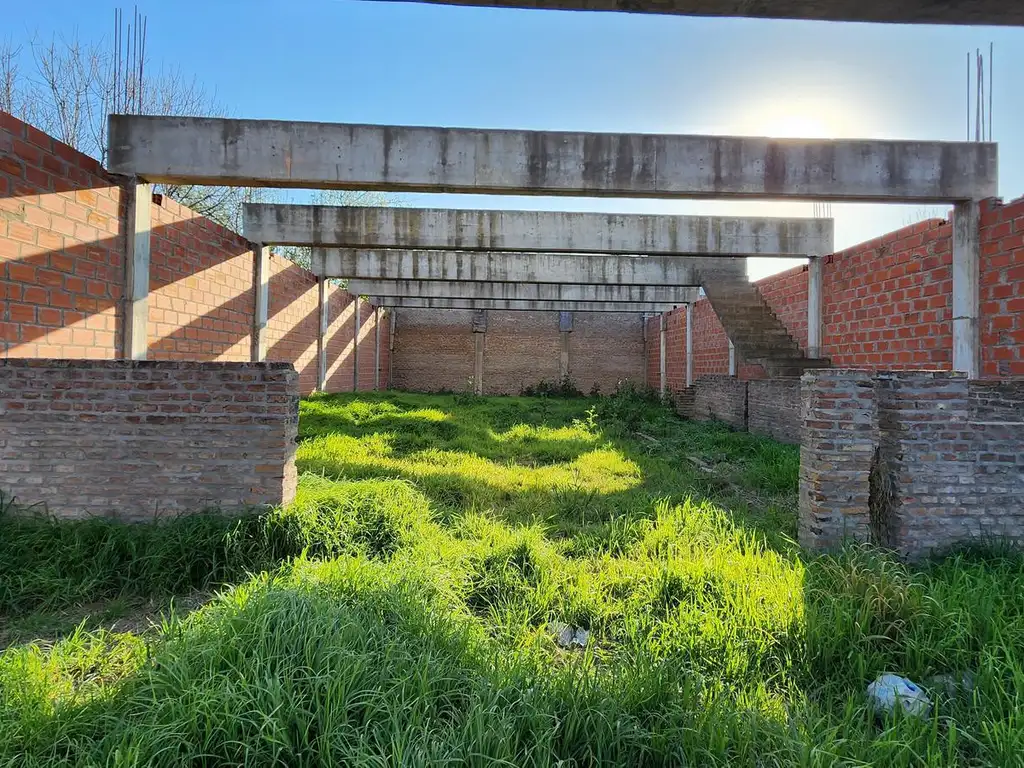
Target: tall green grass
400, 613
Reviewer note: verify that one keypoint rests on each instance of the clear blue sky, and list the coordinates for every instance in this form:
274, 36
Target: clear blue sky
376, 62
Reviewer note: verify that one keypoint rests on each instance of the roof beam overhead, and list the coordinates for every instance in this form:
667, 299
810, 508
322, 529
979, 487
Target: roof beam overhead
967, 12
203, 150
513, 305
562, 268
562, 292
548, 231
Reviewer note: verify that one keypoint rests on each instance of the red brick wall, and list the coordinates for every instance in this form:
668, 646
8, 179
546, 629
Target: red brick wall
1002, 289
604, 350
201, 300
520, 350
888, 303
62, 273
434, 350
61, 252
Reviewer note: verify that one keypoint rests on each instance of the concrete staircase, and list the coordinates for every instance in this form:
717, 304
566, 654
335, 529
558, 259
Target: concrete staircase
756, 332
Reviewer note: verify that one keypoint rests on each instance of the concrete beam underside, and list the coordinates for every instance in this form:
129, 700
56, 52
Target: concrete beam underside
443, 289
510, 305
974, 12
269, 153
540, 231
577, 269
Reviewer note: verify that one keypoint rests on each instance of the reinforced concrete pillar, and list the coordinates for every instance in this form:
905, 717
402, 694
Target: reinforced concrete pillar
689, 345
661, 356
392, 328
479, 341
355, 347
814, 303
261, 295
564, 329
321, 335
136, 293
732, 359
376, 348
966, 291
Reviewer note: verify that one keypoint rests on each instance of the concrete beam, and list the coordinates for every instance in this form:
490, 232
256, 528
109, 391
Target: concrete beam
269, 153
510, 305
541, 231
971, 12
470, 289
505, 267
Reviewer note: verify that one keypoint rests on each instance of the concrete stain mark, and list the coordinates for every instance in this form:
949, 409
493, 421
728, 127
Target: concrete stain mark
774, 168
536, 160
232, 134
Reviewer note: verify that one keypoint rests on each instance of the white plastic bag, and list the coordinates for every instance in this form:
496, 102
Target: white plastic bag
888, 691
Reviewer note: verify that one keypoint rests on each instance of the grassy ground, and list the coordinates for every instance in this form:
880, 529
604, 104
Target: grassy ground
398, 612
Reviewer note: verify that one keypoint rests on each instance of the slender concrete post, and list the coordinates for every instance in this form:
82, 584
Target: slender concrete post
376, 348
321, 335
479, 342
661, 360
689, 345
732, 358
355, 347
261, 294
564, 329
136, 294
392, 328
814, 303
966, 291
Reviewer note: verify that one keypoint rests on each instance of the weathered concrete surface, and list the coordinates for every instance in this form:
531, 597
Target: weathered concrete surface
271, 153
981, 12
472, 289
513, 305
351, 264
552, 231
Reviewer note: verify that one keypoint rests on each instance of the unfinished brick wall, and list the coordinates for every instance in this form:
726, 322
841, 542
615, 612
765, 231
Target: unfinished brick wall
720, 398
138, 440
61, 249
436, 350
773, 409
604, 350
918, 462
62, 274
201, 300
1002, 289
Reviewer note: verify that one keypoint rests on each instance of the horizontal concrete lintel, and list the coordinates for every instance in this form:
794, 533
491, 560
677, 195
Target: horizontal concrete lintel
271, 153
509, 267
522, 306
471, 289
976, 12
551, 231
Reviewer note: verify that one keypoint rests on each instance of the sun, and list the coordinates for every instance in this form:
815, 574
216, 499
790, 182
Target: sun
793, 126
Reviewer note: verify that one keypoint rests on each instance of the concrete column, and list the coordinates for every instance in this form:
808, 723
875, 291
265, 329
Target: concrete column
732, 359
643, 325
376, 348
321, 336
392, 328
966, 292
814, 304
136, 294
479, 342
661, 358
261, 294
355, 347
564, 329
689, 345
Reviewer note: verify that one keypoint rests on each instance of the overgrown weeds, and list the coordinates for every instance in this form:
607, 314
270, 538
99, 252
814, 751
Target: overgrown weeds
399, 611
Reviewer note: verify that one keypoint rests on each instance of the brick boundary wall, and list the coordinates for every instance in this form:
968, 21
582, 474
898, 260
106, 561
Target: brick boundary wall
141, 440
918, 462
773, 409
720, 398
